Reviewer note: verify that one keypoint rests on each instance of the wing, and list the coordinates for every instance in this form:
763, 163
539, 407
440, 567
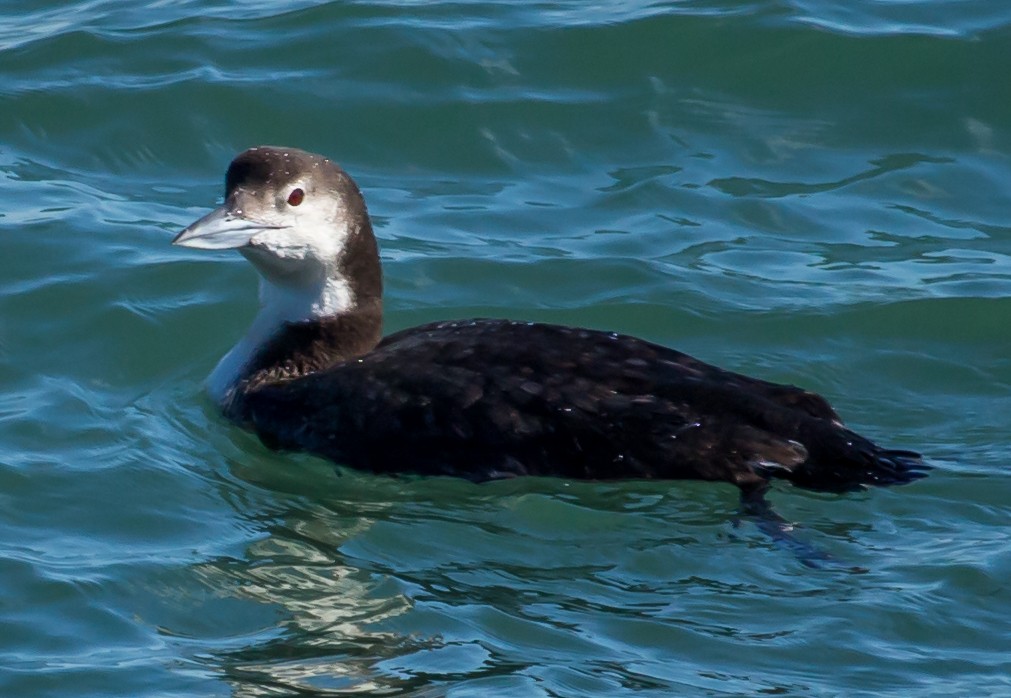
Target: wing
502, 340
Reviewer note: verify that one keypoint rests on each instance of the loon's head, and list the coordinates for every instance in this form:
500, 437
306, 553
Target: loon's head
302, 222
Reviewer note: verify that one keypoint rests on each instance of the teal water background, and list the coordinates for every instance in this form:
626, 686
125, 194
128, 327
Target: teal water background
809, 191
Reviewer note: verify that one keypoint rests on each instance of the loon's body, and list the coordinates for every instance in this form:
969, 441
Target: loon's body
484, 399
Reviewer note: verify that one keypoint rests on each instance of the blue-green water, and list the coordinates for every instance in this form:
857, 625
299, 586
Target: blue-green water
810, 191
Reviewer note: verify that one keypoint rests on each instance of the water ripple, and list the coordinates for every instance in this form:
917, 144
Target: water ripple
815, 193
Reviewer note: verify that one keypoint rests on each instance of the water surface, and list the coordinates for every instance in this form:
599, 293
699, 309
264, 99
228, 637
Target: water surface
811, 192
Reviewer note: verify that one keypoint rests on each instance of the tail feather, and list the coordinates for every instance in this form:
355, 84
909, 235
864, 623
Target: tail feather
869, 465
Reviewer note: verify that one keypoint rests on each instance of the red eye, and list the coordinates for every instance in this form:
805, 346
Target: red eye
295, 197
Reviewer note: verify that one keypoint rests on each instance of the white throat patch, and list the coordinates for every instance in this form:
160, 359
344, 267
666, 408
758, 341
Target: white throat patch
278, 305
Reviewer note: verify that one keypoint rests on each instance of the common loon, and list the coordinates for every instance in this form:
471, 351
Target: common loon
484, 398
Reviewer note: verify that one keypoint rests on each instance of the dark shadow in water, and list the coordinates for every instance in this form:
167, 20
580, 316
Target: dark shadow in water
762, 188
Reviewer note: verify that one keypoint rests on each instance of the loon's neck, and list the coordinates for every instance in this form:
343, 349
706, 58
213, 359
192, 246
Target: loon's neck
298, 330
